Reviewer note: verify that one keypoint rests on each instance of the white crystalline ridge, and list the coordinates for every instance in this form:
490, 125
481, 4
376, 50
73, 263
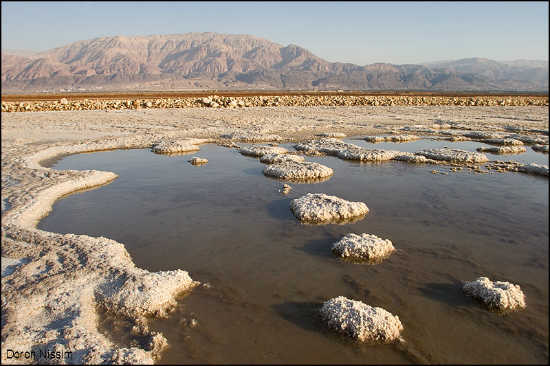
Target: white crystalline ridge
262, 150
363, 246
496, 295
393, 138
361, 321
454, 155
274, 158
505, 149
294, 170
319, 207
176, 145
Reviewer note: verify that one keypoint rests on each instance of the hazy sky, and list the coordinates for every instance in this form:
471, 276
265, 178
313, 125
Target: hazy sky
357, 32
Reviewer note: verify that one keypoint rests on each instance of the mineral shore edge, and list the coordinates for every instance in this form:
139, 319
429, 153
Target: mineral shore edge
49, 276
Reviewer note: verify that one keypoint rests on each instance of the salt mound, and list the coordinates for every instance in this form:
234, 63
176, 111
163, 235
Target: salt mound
393, 138
365, 247
454, 155
322, 208
503, 149
175, 146
293, 170
504, 141
198, 161
361, 321
496, 295
280, 158
368, 154
329, 146
262, 150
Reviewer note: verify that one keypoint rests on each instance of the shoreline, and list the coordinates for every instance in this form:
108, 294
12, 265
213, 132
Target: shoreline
74, 274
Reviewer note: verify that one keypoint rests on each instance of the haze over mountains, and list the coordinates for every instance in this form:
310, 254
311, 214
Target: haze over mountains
219, 61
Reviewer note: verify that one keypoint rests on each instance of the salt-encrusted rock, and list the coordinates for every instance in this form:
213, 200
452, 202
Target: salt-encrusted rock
413, 158
198, 161
504, 141
540, 148
175, 146
503, 149
496, 295
538, 139
279, 158
332, 134
453, 155
534, 168
393, 138
363, 247
322, 208
294, 170
262, 150
361, 321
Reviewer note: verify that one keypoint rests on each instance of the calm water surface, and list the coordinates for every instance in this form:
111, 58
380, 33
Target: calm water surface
227, 224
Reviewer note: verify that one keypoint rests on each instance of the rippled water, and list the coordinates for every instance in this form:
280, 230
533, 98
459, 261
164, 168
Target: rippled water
227, 224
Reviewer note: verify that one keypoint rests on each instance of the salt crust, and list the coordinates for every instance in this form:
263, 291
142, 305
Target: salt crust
170, 146
360, 321
393, 138
454, 155
250, 136
496, 295
274, 158
363, 247
293, 170
322, 208
262, 150
69, 276
332, 134
540, 148
504, 141
503, 149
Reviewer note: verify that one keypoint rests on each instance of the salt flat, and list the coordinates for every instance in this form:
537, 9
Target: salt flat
50, 298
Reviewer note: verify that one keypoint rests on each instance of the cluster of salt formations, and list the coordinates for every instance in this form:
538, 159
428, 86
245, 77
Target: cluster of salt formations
361, 321
496, 295
322, 208
345, 150
393, 138
262, 150
454, 155
274, 158
170, 146
198, 161
503, 149
363, 247
294, 170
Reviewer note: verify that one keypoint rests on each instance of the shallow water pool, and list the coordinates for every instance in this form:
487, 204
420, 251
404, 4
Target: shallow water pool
229, 226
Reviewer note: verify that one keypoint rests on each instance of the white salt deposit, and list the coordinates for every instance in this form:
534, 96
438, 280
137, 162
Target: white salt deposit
261, 150
454, 155
364, 247
294, 170
198, 161
496, 295
322, 208
503, 149
361, 321
280, 158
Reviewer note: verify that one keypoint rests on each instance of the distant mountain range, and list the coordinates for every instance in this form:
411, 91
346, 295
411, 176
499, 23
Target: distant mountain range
220, 61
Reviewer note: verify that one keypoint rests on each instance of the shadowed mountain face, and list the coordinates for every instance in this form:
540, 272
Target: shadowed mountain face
211, 60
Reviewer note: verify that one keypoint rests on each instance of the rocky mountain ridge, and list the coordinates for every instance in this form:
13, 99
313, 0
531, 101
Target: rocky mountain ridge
211, 60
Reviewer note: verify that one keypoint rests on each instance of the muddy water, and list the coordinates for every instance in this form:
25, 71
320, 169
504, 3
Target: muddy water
228, 225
